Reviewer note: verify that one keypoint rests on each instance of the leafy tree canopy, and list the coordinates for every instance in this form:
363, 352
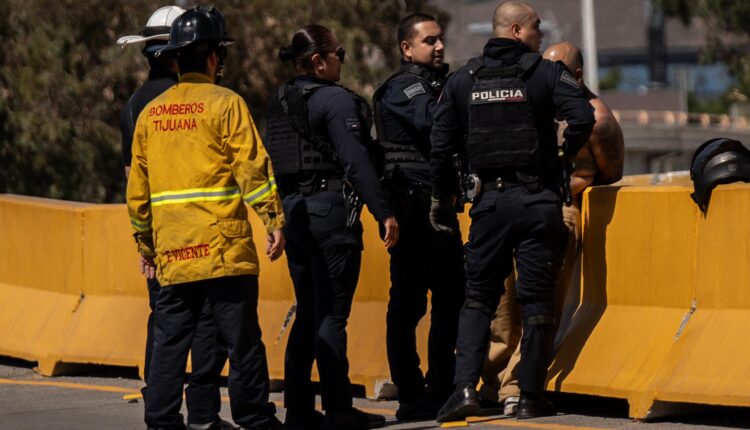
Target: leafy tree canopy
63, 81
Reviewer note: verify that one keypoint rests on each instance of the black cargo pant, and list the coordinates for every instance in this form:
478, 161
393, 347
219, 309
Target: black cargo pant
503, 223
324, 257
423, 260
208, 355
233, 302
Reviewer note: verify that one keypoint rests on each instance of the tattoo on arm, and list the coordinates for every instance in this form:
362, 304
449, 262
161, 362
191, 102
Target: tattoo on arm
608, 138
607, 145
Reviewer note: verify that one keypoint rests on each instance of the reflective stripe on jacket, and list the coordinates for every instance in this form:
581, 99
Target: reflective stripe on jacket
197, 161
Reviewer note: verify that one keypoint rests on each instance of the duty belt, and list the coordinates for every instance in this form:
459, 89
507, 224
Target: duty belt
324, 184
499, 183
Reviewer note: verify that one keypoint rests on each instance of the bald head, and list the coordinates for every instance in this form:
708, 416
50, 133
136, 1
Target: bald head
518, 21
508, 13
569, 54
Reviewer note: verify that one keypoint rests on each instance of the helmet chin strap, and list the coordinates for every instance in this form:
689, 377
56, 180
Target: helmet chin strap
219, 73
222, 54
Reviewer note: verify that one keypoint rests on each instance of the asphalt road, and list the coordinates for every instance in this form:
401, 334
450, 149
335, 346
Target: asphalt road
97, 398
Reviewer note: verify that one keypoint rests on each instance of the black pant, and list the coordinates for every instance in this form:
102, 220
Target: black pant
233, 302
324, 257
423, 260
504, 222
208, 355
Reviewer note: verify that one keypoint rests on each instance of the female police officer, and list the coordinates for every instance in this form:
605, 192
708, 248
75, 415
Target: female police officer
319, 142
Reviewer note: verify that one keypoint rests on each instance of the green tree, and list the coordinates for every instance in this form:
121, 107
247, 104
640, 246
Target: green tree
727, 32
63, 81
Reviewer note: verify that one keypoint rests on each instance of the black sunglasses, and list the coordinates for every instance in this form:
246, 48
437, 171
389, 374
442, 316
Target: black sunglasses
341, 53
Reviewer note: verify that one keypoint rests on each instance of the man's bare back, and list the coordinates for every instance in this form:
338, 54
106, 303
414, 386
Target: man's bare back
600, 161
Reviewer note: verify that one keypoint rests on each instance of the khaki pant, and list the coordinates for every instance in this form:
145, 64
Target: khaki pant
500, 371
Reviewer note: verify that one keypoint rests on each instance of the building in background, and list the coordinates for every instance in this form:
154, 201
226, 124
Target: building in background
660, 132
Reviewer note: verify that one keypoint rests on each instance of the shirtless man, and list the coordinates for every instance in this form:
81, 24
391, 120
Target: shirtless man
599, 162
601, 159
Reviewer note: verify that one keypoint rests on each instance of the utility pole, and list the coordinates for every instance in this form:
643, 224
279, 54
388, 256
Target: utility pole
590, 61
657, 46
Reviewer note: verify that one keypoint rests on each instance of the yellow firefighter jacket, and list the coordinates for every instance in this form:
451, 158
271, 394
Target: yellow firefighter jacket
197, 159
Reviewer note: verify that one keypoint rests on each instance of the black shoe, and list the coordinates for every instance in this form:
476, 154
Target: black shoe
275, 425
312, 420
489, 407
421, 410
462, 403
352, 419
219, 425
534, 407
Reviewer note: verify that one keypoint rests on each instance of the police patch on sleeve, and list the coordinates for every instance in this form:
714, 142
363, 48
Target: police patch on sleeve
569, 79
352, 123
414, 90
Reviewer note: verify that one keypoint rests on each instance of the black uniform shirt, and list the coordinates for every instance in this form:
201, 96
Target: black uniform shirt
158, 82
551, 89
332, 112
407, 109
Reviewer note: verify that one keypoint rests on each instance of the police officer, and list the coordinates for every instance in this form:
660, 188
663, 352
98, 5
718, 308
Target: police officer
318, 139
499, 111
423, 259
208, 353
188, 209
598, 162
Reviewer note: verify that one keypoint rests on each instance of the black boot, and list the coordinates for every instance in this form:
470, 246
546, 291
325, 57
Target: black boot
422, 409
219, 425
352, 419
534, 407
310, 420
462, 403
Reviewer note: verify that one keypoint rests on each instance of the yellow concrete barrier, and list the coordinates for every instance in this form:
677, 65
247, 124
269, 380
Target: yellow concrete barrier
664, 301
72, 292
710, 360
41, 276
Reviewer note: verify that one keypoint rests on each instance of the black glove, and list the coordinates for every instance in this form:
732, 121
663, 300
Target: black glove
442, 216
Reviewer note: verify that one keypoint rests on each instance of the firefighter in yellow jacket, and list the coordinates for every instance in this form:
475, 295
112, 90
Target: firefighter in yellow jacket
197, 161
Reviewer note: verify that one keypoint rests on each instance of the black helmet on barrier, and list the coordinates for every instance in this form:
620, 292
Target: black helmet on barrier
201, 24
717, 161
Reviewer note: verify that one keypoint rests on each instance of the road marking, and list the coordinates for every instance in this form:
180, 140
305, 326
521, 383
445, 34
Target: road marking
453, 424
72, 385
507, 422
130, 395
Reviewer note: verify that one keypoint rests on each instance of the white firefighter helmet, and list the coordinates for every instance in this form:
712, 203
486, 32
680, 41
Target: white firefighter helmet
157, 29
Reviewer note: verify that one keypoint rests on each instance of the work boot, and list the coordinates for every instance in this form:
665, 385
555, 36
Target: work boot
311, 420
534, 407
352, 419
462, 403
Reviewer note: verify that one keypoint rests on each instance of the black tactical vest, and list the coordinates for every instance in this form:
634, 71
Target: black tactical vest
501, 134
404, 154
290, 142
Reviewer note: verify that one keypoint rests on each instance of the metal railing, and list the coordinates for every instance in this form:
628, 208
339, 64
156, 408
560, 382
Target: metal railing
679, 118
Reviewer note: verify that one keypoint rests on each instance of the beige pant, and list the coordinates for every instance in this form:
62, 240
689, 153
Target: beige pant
500, 371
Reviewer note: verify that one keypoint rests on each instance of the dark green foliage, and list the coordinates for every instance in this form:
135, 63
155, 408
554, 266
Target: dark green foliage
611, 80
714, 106
728, 32
63, 81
